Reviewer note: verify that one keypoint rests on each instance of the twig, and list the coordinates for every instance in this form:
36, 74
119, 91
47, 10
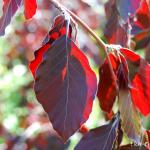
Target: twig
101, 44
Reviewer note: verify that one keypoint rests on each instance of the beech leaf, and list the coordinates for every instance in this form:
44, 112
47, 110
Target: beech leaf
66, 86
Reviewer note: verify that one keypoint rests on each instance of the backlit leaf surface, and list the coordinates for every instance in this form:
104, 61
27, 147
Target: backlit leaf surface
30, 8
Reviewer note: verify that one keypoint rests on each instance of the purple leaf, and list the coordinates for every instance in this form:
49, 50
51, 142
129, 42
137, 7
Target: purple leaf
9, 9
65, 85
102, 138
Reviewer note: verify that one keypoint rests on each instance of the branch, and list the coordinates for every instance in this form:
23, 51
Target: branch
101, 44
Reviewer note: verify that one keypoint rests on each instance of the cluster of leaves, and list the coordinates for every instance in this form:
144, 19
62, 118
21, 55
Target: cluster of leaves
129, 25
60, 68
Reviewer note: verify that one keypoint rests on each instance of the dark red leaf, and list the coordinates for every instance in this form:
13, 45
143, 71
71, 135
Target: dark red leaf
148, 134
143, 16
140, 90
107, 91
58, 30
141, 26
114, 32
106, 88
29, 8
65, 85
139, 71
9, 9
103, 137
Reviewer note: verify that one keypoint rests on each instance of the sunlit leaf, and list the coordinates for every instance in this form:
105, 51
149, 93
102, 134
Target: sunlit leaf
30, 8
140, 89
106, 89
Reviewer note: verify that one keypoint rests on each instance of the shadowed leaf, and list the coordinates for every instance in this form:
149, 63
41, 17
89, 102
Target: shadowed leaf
103, 137
142, 39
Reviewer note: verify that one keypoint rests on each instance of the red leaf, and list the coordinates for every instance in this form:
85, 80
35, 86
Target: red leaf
141, 26
9, 9
65, 86
106, 88
130, 56
139, 71
140, 90
148, 134
103, 137
30, 8
107, 91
